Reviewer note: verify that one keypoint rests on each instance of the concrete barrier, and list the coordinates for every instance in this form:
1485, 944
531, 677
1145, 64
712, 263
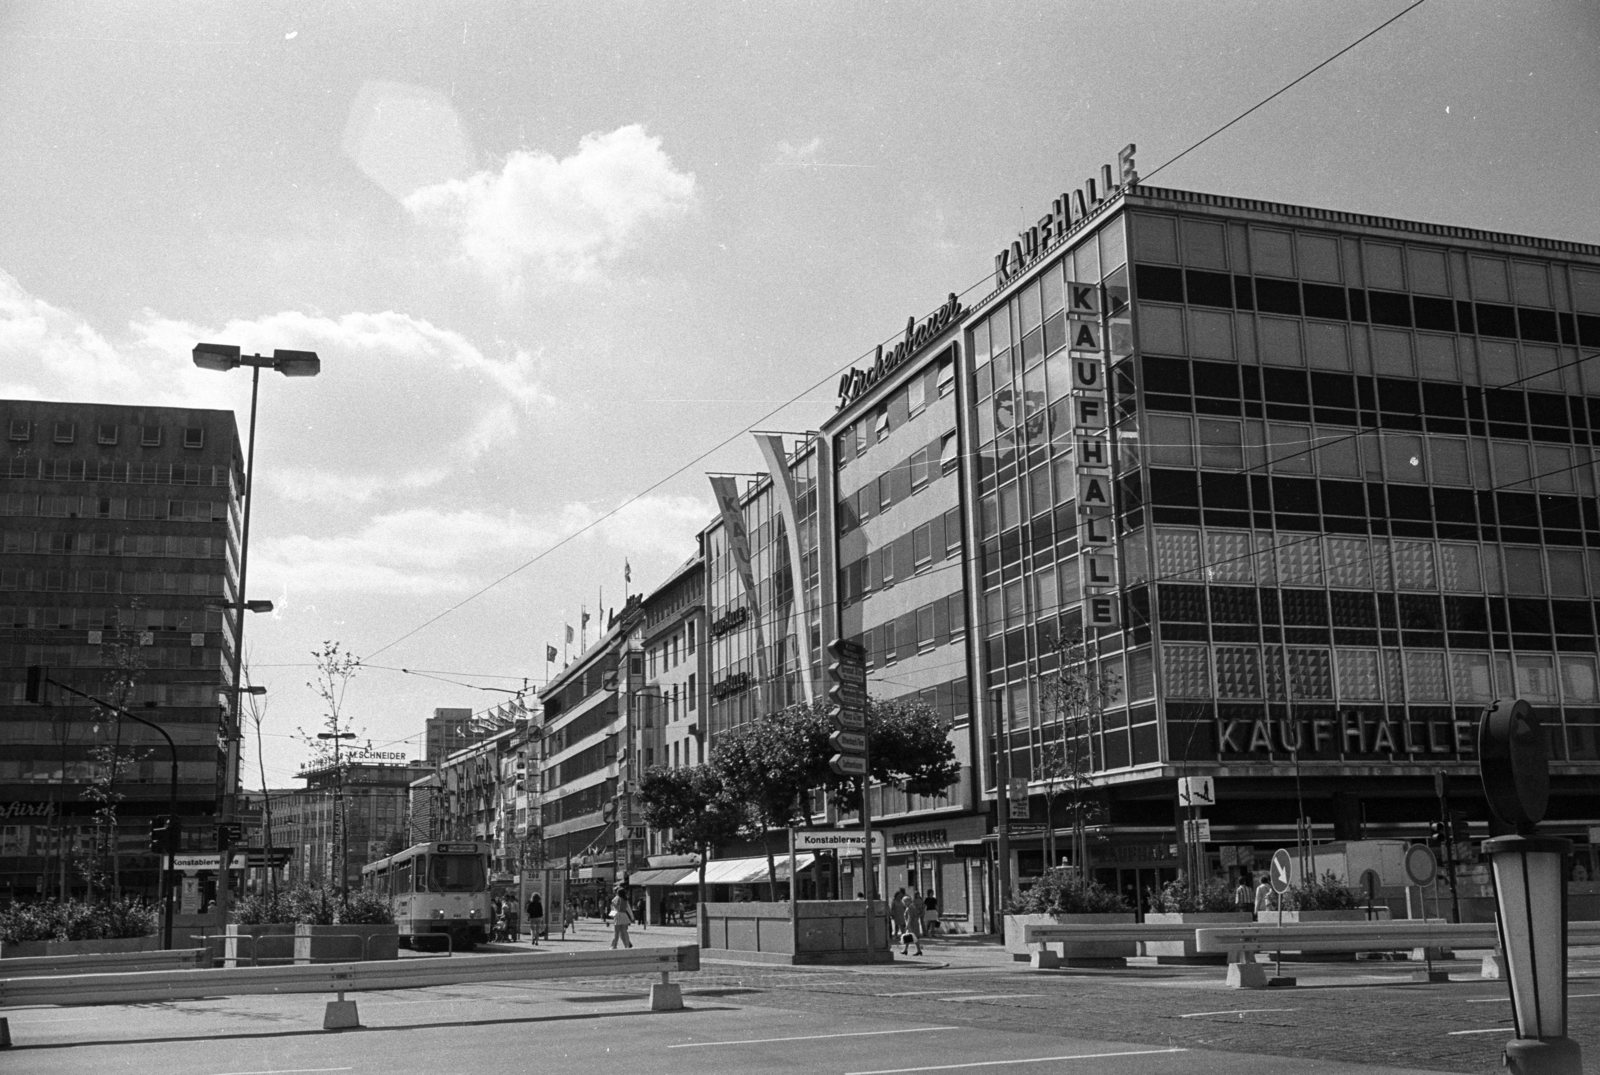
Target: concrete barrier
144, 987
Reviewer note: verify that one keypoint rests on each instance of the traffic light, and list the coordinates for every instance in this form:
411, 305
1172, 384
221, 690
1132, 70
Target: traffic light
229, 834
37, 674
164, 833
1436, 832
1460, 830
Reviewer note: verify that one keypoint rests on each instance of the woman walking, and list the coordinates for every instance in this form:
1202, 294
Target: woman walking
535, 910
621, 919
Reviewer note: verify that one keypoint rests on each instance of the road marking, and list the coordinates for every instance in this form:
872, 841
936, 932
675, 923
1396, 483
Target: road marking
283, 1071
1489, 1030
923, 992
987, 996
1025, 1060
1236, 1011
1507, 1000
803, 1037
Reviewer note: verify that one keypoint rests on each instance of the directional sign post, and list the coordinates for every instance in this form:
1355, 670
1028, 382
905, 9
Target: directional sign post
847, 711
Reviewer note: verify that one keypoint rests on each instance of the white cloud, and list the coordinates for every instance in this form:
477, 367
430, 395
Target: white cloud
400, 402
799, 156
561, 219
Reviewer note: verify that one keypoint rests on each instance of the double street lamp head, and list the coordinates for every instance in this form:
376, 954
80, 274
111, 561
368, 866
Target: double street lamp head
340, 735
223, 357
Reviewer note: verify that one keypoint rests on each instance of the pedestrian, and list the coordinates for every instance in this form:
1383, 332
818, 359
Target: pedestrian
899, 906
916, 913
1244, 895
621, 920
497, 922
931, 917
535, 910
1264, 896
639, 915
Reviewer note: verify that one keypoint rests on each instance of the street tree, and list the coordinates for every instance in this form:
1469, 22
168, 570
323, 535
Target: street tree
1074, 699
692, 808
335, 669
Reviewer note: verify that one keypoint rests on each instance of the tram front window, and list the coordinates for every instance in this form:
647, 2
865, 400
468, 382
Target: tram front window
455, 873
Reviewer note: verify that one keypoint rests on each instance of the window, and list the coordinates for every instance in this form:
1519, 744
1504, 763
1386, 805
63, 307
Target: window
106, 433
20, 429
922, 544
881, 425
194, 437
917, 393
947, 452
885, 492
919, 468
692, 693
150, 436
691, 636
65, 432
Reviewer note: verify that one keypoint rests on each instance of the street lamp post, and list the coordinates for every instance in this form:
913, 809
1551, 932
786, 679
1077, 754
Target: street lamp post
339, 848
223, 357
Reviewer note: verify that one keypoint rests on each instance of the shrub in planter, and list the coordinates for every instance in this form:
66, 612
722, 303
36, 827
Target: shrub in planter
259, 909
1326, 893
364, 908
1062, 891
1176, 897
72, 920
312, 906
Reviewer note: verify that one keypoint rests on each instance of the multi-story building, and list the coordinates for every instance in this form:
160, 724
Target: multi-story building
669, 634
482, 794
118, 556
584, 745
375, 818
448, 730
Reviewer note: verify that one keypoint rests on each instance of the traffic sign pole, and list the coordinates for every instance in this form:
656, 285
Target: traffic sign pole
852, 754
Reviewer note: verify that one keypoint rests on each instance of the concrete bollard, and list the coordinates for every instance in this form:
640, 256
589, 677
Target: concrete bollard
1247, 975
5, 1034
340, 1015
666, 996
1494, 965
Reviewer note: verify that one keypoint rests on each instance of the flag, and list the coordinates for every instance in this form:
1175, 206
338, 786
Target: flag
627, 571
569, 634
550, 652
585, 619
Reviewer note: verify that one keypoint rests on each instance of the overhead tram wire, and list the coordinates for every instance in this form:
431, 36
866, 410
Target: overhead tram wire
1286, 87
981, 283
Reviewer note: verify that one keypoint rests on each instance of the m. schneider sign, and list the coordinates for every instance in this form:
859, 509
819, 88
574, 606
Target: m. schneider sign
1065, 212
855, 382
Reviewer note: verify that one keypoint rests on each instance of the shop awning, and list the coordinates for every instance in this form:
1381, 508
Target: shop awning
660, 877
750, 871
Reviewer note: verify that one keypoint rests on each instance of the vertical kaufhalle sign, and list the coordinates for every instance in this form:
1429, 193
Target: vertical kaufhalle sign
1097, 322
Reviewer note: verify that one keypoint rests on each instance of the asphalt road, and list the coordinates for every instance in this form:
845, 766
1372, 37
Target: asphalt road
961, 1009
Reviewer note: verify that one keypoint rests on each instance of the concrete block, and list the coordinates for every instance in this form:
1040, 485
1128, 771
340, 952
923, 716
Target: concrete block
1494, 965
1247, 976
340, 1015
666, 997
1044, 959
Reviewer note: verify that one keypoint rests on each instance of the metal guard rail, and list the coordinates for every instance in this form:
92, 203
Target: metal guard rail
1365, 936
103, 962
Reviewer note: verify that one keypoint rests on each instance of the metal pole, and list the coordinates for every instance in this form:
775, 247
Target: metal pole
235, 734
1002, 804
1441, 784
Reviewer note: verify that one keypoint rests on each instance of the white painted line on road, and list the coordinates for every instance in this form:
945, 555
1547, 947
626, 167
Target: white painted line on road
1507, 1000
1025, 1060
1236, 1011
283, 1071
987, 996
1488, 1030
811, 1037
923, 992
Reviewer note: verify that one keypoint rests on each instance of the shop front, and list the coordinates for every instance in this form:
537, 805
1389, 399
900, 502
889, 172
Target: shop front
924, 857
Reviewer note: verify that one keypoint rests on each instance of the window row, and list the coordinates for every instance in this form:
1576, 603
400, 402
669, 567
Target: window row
134, 582
79, 470
146, 771
113, 507
899, 482
110, 619
1351, 507
1393, 266
1395, 403
1037, 595
1124, 678
935, 382
912, 552
150, 656
143, 694
105, 544
1296, 673
108, 433
935, 624
1234, 556
1095, 259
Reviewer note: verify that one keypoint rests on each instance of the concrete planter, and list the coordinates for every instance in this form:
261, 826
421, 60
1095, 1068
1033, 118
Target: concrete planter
1183, 952
104, 946
345, 944
1076, 953
827, 931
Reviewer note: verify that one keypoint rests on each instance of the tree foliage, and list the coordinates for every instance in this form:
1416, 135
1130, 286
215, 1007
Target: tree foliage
691, 806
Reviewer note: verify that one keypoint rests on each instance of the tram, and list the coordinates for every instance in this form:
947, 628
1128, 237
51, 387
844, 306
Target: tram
439, 892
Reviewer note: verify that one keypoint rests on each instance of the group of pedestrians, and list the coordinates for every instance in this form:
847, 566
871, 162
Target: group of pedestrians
913, 916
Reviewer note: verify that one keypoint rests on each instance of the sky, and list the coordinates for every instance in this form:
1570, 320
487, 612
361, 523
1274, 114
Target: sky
558, 258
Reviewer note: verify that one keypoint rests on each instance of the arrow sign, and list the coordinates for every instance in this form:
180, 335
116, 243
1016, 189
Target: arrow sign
1279, 876
848, 742
849, 695
850, 720
848, 764
848, 672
